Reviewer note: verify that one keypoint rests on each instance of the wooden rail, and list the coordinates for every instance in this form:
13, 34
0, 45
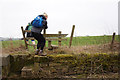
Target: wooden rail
49, 37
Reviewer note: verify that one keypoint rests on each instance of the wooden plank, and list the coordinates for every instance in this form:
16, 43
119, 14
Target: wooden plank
70, 43
54, 46
49, 35
55, 35
30, 38
56, 39
27, 30
24, 37
51, 39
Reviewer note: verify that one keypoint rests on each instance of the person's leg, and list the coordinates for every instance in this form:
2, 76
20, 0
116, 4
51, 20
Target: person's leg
41, 41
35, 35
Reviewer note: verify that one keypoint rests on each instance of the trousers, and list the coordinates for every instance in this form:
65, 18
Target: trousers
41, 40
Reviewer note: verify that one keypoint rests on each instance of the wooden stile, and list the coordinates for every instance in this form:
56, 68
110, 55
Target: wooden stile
23, 32
48, 37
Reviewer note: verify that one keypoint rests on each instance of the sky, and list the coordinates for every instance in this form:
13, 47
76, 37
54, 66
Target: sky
90, 17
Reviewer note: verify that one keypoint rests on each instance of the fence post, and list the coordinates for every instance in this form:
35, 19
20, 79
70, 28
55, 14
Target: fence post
59, 38
70, 43
49, 44
44, 32
23, 32
113, 38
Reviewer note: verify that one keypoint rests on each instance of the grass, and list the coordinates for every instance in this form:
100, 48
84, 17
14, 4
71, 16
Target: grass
77, 41
88, 40
14, 43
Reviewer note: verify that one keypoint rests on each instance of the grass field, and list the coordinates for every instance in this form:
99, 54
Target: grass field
77, 41
90, 40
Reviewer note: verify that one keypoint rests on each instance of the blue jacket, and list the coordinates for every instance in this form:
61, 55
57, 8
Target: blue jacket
39, 30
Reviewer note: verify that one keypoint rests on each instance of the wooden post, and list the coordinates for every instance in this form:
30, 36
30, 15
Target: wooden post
23, 32
49, 44
113, 38
70, 43
59, 38
44, 32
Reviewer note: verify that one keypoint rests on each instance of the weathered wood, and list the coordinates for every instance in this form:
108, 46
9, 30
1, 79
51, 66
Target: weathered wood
48, 35
30, 38
59, 37
49, 43
70, 43
113, 38
27, 30
24, 37
54, 46
44, 32
56, 39
55, 35
51, 39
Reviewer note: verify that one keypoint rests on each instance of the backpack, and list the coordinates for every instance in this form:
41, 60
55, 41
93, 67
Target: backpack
38, 22
29, 27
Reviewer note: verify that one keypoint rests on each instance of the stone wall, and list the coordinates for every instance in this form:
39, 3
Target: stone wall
60, 65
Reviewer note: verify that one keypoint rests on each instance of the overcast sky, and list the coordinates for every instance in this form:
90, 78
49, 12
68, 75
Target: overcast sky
91, 17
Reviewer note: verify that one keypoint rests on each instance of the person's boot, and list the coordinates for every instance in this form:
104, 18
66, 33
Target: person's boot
37, 51
41, 53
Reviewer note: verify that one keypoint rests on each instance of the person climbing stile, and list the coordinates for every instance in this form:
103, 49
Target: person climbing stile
39, 23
